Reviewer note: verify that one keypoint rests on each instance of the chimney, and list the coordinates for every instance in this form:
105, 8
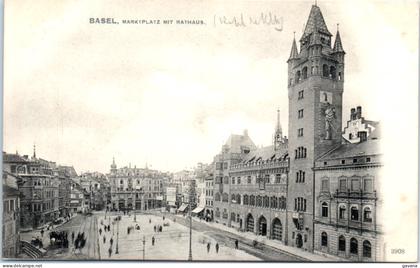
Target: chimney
352, 114
359, 112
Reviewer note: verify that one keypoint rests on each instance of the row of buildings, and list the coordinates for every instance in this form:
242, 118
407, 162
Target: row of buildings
319, 188
38, 193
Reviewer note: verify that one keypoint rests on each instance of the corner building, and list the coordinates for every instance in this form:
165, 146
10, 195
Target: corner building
315, 90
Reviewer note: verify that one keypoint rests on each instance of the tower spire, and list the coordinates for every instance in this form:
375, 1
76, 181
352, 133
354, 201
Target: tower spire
294, 52
338, 46
34, 150
278, 133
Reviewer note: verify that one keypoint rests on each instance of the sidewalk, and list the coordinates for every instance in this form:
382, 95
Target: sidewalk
273, 243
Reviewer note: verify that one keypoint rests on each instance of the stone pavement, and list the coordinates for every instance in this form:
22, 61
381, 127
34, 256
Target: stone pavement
273, 243
170, 244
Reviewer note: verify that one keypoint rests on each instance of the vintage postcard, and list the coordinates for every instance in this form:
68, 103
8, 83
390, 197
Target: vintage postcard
182, 130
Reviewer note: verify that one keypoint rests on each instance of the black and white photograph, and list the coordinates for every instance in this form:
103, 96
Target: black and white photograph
210, 131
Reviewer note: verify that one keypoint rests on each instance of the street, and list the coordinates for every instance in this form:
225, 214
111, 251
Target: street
170, 244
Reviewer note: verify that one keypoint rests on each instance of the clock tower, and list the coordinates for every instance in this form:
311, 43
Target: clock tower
315, 91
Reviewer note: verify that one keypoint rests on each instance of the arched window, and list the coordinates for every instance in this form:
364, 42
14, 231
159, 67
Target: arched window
353, 246
354, 213
333, 72
273, 202
225, 197
246, 201
325, 71
324, 239
305, 72
238, 199
283, 203
367, 214
121, 181
312, 70
342, 243
367, 249
339, 76
324, 210
266, 202
342, 212
259, 201
217, 197
233, 199
252, 200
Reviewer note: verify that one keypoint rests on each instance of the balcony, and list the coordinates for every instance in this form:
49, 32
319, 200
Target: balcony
355, 194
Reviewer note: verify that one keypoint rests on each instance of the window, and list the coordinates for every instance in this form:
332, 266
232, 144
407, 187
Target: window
355, 185
300, 95
233, 180
233, 199
252, 200
246, 202
343, 185
267, 178
353, 246
367, 185
225, 165
354, 213
325, 72
239, 180
266, 202
232, 216
354, 160
300, 204
325, 163
305, 72
225, 197
238, 199
342, 212
300, 176
300, 152
367, 249
343, 162
342, 243
367, 214
324, 239
324, 210
367, 159
300, 113
259, 201
217, 197
300, 132
249, 180
278, 178
325, 185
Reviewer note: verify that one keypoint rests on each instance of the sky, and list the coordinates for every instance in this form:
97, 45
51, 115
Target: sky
170, 95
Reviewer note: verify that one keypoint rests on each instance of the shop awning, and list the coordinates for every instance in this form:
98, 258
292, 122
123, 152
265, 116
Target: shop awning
197, 210
182, 207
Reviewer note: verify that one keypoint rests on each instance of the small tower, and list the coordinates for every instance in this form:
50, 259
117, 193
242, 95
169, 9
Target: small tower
34, 156
278, 139
113, 166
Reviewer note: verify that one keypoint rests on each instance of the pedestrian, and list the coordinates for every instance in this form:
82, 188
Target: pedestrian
154, 228
150, 220
42, 233
160, 228
111, 241
153, 240
217, 247
236, 244
72, 236
104, 239
110, 252
208, 247
100, 231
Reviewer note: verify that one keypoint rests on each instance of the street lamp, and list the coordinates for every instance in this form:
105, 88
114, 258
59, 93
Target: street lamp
189, 212
118, 231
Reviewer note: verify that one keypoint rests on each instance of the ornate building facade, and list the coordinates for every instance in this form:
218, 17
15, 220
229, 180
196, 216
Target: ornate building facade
136, 188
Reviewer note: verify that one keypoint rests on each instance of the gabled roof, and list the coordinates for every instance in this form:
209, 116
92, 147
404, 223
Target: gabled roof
368, 147
236, 142
315, 22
